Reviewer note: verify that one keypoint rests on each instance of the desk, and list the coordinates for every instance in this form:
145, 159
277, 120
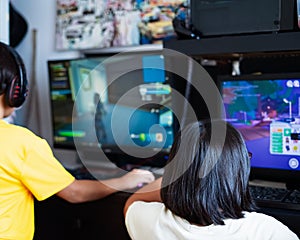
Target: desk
56, 219
102, 219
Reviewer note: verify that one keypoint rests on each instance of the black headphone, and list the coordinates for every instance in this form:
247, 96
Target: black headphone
16, 91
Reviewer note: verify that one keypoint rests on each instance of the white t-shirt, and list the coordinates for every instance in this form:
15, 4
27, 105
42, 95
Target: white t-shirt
153, 221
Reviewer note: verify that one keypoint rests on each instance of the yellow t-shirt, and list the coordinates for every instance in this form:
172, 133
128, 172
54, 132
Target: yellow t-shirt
28, 169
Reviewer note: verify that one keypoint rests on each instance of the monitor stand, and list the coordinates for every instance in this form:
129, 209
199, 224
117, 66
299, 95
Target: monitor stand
292, 185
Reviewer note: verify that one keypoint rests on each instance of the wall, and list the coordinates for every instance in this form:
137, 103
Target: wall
40, 15
4, 28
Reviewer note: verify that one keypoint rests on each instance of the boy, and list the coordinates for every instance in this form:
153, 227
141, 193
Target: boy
28, 168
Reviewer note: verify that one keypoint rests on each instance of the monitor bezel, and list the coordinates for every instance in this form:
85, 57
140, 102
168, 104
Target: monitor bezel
289, 177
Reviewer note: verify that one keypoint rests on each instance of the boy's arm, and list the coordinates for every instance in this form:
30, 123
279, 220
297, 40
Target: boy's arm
148, 193
89, 190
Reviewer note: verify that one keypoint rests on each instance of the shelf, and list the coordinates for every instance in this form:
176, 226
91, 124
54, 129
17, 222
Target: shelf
238, 44
116, 50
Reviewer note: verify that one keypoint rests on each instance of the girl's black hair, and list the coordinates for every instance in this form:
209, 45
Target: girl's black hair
206, 179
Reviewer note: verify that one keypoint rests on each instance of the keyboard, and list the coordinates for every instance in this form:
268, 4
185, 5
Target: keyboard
271, 197
107, 173
157, 172
265, 197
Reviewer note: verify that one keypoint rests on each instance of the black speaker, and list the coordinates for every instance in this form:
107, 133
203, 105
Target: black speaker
227, 17
17, 89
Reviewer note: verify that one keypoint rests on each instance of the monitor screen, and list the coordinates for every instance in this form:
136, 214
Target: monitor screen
266, 110
120, 103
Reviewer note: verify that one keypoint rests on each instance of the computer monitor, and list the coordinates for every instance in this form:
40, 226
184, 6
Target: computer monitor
120, 104
266, 110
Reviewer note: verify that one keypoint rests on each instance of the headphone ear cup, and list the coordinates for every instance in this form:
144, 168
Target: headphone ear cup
16, 90
15, 95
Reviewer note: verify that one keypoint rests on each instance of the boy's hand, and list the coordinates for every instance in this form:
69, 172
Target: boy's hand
136, 178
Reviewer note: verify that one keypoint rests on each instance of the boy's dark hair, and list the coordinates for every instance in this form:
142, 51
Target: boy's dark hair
214, 185
8, 68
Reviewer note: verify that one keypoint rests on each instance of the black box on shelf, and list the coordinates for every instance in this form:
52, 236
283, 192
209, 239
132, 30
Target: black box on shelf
227, 17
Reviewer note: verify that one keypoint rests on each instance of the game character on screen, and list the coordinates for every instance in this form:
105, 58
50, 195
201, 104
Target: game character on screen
100, 112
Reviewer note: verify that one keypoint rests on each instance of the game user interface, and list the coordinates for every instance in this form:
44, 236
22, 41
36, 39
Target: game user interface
266, 110
130, 109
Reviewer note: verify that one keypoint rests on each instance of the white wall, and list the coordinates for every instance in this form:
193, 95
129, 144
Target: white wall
4, 20
40, 15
